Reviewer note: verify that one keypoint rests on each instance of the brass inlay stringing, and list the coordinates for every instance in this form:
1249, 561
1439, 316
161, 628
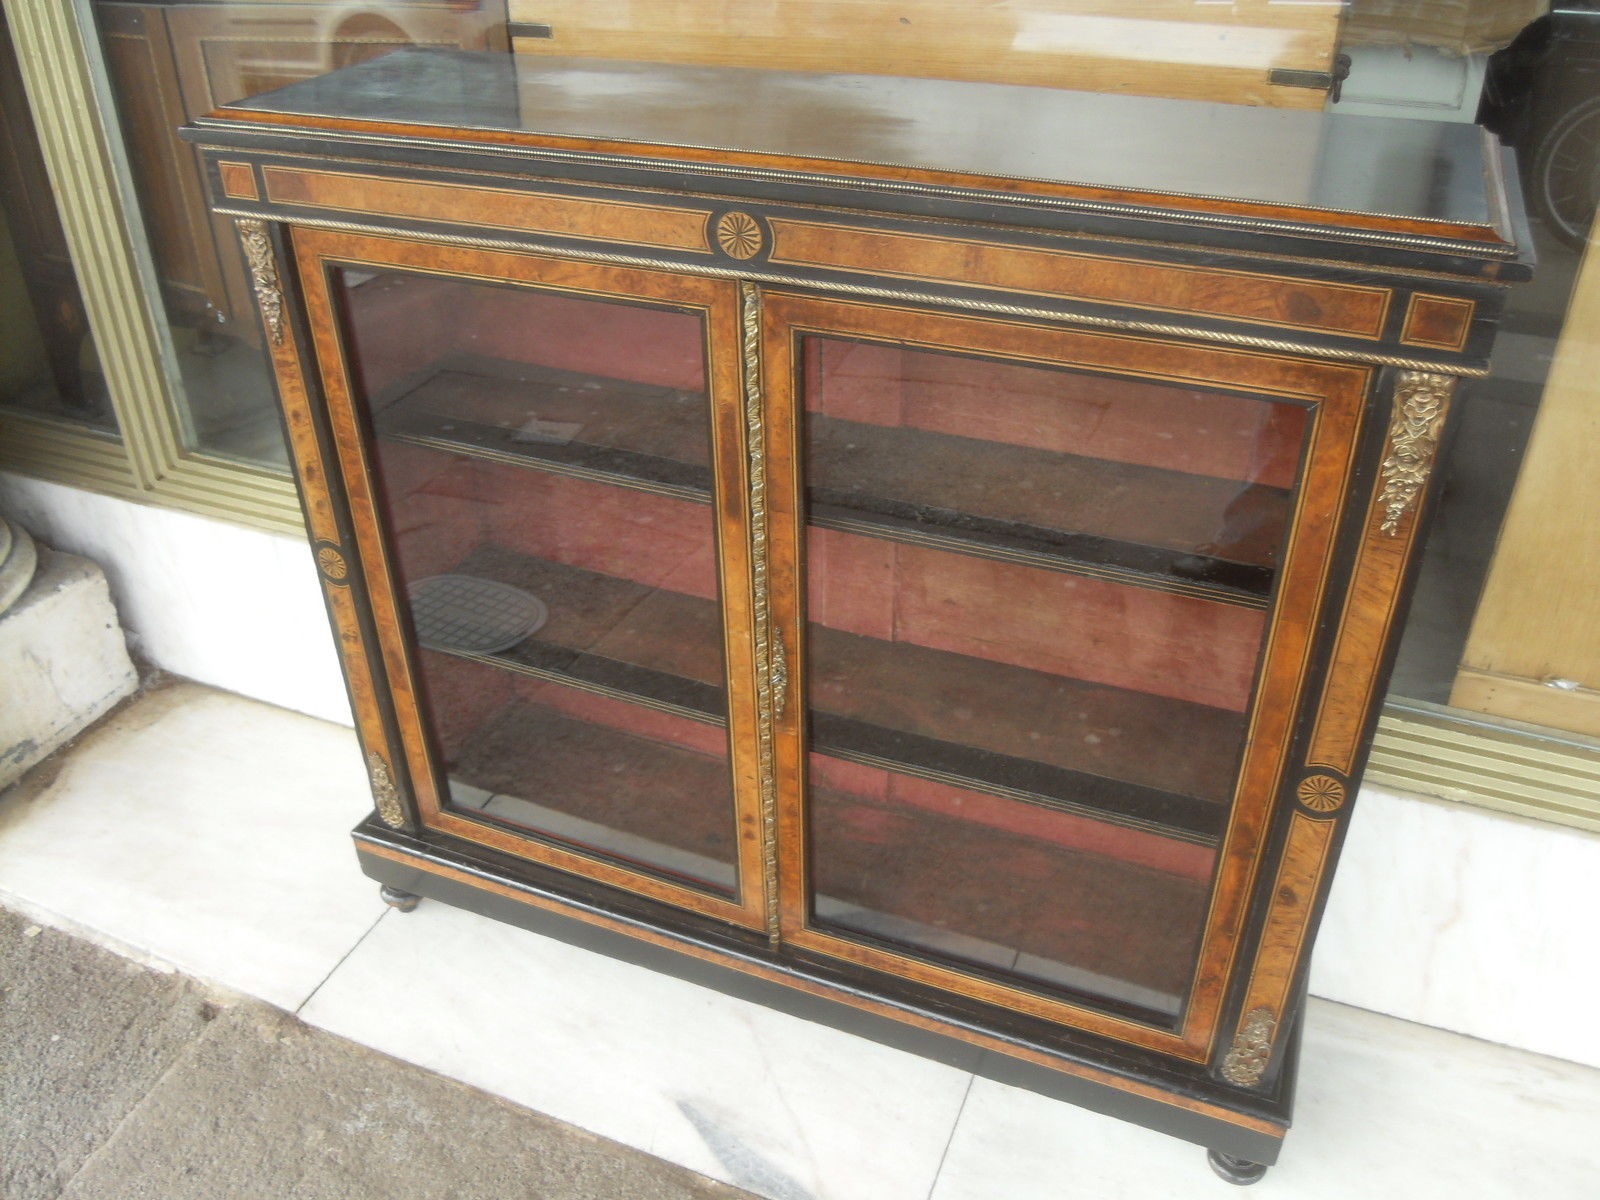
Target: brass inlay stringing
739, 235
1420, 399
772, 669
263, 274
1252, 1048
384, 791
1320, 793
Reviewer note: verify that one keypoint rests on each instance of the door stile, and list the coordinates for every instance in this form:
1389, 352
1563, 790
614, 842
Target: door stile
772, 679
785, 610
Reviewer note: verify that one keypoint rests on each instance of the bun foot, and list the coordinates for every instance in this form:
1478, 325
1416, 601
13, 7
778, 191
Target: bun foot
395, 898
1235, 1170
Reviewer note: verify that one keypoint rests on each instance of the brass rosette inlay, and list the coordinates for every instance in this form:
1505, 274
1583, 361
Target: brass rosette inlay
739, 235
1320, 793
332, 563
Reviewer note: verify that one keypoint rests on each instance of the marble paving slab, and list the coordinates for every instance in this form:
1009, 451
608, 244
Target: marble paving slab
204, 830
777, 1105
1385, 1109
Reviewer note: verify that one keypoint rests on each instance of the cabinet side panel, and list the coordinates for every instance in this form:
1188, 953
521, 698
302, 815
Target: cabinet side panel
324, 502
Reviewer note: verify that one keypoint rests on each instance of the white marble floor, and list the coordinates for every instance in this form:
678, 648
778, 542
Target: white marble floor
210, 832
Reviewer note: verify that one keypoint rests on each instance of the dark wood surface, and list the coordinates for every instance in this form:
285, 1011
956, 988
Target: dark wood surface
1019, 894
641, 787
1382, 198
1042, 507
1374, 174
1132, 757
1114, 918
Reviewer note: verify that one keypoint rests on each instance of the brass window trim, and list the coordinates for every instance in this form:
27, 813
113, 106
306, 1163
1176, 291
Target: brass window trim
57, 53
1517, 770
1419, 749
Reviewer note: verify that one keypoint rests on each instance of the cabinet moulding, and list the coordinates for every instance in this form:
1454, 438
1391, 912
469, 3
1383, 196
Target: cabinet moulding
772, 671
263, 275
384, 792
1420, 401
1252, 1048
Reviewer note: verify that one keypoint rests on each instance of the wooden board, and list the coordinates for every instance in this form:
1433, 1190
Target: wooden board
870, 696
1194, 534
1537, 620
1170, 48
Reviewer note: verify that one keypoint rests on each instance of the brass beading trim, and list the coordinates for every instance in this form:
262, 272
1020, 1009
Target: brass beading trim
772, 671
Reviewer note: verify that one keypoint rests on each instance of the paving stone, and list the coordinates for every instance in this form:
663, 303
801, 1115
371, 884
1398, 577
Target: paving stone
267, 1107
84, 1035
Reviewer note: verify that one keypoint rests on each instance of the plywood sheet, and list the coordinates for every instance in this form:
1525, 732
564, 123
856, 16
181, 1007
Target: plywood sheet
1173, 48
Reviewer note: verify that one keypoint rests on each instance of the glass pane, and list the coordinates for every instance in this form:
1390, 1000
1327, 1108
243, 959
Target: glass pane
167, 64
1036, 604
48, 362
544, 463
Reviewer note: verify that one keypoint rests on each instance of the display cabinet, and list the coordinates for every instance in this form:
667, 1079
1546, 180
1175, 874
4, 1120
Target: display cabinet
921, 555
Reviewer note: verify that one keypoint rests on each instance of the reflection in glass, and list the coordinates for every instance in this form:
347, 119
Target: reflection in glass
170, 63
545, 466
49, 365
1036, 600
1491, 626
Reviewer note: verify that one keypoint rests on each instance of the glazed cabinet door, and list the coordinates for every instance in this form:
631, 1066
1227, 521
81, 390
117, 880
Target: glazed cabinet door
544, 467
1040, 598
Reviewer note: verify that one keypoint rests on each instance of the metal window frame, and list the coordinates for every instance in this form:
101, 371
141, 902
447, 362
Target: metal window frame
64, 79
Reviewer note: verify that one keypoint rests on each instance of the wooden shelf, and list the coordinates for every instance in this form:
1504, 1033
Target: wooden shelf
612, 637
1132, 759
657, 805
1063, 912
634, 435
539, 765
1044, 508
1143, 526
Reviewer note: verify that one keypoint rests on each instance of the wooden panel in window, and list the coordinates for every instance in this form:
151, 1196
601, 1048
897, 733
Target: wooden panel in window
1534, 651
1160, 48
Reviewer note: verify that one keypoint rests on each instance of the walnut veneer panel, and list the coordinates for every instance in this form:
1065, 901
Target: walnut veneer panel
1288, 303
638, 224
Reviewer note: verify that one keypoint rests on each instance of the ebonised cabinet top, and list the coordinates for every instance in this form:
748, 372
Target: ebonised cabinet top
1380, 182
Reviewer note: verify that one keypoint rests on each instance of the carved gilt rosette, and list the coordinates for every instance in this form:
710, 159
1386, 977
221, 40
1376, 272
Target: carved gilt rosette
1420, 401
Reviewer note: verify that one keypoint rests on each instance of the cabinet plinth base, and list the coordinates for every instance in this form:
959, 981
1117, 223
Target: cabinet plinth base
438, 867
1234, 1169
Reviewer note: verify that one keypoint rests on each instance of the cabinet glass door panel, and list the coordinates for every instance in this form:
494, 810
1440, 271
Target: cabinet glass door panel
1035, 601
1027, 462
544, 478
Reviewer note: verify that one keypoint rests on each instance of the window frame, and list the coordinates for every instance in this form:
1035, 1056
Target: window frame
62, 73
